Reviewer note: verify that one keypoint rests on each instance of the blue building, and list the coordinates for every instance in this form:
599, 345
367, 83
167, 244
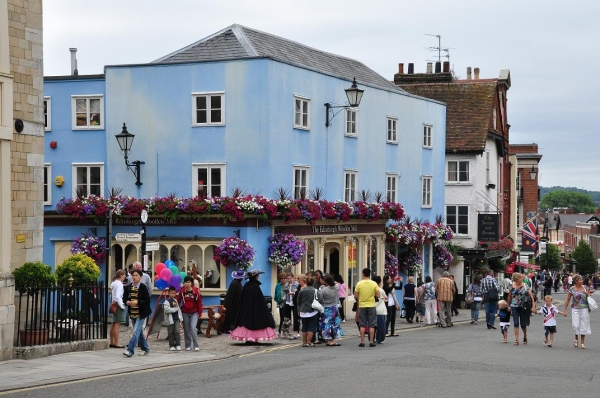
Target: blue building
242, 110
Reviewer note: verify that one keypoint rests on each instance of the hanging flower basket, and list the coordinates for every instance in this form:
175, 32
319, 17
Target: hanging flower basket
91, 246
391, 264
286, 250
410, 261
234, 252
442, 257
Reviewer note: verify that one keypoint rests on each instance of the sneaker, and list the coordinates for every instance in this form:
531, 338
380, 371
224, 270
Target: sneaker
172, 348
197, 349
178, 348
144, 353
297, 336
128, 354
344, 321
188, 348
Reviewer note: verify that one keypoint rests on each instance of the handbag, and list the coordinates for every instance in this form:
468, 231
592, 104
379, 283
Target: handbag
470, 297
592, 305
316, 305
355, 306
403, 312
113, 307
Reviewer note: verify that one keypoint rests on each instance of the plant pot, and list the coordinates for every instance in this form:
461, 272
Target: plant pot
33, 337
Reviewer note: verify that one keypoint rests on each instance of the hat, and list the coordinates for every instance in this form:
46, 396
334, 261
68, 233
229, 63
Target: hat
254, 273
238, 274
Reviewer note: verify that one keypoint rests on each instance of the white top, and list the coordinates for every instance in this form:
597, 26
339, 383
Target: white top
391, 299
117, 292
549, 315
380, 306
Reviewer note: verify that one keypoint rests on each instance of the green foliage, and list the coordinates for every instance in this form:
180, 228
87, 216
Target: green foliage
580, 202
586, 262
554, 261
81, 267
595, 195
32, 276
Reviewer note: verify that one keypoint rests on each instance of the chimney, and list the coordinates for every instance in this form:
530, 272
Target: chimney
446, 66
74, 71
438, 67
476, 70
401, 69
429, 67
468, 73
411, 68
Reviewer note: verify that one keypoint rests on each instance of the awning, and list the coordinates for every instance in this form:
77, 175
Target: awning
526, 265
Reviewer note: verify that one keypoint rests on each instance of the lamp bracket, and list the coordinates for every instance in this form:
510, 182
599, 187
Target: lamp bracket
329, 108
134, 167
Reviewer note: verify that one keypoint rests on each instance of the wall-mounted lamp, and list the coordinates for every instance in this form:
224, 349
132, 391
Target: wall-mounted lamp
125, 139
533, 173
19, 125
354, 95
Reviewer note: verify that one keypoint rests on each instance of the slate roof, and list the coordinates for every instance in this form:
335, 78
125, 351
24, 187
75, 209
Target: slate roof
571, 220
238, 42
469, 105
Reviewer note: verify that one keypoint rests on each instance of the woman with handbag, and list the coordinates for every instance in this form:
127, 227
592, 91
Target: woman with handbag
118, 307
521, 303
309, 316
392, 304
329, 322
578, 295
475, 290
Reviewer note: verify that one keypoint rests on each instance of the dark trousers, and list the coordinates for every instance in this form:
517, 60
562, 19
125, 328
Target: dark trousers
342, 311
380, 331
410, 306
173, 334
390, 320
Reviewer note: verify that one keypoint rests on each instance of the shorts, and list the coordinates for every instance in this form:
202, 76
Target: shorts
504, 327
549, 329
310, 324
367, 317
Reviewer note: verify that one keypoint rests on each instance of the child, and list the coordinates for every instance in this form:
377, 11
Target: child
172, 318
504, 315
549, 311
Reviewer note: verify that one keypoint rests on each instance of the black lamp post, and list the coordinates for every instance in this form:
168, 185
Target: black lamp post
354, 95
125, 139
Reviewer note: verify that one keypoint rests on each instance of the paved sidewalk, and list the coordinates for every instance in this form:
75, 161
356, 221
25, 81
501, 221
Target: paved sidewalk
19, 373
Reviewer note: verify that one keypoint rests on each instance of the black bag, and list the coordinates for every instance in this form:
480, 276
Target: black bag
491, 294
355, 306
526, 302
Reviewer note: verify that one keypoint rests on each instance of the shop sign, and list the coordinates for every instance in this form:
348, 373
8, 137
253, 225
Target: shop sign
488, 226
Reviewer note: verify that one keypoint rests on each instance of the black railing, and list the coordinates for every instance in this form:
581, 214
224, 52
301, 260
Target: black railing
62, 314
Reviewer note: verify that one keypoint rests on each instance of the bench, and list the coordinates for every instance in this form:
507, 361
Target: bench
215, 316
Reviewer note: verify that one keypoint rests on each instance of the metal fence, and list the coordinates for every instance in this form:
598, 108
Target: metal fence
62, 314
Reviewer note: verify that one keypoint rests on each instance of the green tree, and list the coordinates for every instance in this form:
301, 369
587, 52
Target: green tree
586, 261
554, 261
580, 202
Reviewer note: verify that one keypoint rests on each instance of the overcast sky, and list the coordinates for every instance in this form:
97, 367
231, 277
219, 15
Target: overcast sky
550, 47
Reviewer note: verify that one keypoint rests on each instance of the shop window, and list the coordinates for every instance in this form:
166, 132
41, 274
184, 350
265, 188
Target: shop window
354, 266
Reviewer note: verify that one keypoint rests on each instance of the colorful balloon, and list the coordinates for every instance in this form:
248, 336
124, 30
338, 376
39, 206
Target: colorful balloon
183, 274
161, 284
159, 267
174, 269
175, 281
169, 263
166, 274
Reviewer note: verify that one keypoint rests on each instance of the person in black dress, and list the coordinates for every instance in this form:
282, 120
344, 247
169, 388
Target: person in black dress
233, 300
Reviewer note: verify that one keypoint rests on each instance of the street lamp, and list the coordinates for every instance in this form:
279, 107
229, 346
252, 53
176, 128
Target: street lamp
533, 173
125, 139
354, 95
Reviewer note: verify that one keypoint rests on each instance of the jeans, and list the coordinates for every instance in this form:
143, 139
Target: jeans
390, 320
475, 310
137, 334
491, 307
189, 330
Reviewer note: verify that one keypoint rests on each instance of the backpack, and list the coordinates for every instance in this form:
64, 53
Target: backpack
492, 293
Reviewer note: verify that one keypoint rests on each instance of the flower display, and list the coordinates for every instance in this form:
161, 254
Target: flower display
410, 261
91, 246
504, 244
442, 257
234, 252
286, 250
229, 208
415, 234
391, 264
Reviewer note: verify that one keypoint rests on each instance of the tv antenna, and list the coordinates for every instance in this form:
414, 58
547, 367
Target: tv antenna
439, 48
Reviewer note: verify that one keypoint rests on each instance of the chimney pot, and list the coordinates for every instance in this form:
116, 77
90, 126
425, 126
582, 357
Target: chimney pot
468, 73
411, 68
476, 70
73, 61
429, 67
438, 67
446, 66
401, 68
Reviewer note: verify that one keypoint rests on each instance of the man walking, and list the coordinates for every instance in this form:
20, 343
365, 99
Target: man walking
137, 298
365, 293
490, 289
445, 290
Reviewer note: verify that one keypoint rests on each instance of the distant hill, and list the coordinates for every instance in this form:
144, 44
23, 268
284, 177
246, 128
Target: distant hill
595, 195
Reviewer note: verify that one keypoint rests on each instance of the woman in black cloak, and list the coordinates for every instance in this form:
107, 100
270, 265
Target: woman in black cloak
233, 300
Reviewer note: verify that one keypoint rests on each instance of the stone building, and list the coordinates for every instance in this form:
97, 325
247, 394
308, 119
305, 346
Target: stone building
21, 150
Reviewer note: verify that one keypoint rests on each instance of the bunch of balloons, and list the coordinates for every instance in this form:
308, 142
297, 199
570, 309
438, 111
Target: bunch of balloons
168, 275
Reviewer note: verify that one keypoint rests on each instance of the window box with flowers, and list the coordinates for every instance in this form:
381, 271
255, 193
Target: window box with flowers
234, 252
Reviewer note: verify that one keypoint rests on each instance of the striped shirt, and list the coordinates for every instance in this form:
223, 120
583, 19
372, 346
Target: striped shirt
134, 310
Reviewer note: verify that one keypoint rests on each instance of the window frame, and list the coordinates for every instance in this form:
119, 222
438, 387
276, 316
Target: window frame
303, 100
455, 226
427, 136
301, 169
74, 184
458, 172
87, 97
47, 191
391, 177
394, 130
353, 123
350, 192
208, 95
47, 114
220, 165
426, 191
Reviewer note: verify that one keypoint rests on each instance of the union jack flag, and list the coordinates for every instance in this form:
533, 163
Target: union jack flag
531, 238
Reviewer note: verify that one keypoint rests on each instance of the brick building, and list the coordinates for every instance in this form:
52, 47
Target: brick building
21, 150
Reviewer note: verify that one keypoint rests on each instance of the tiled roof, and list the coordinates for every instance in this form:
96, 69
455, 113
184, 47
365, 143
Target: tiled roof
236, 42
571, 220
469, 105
